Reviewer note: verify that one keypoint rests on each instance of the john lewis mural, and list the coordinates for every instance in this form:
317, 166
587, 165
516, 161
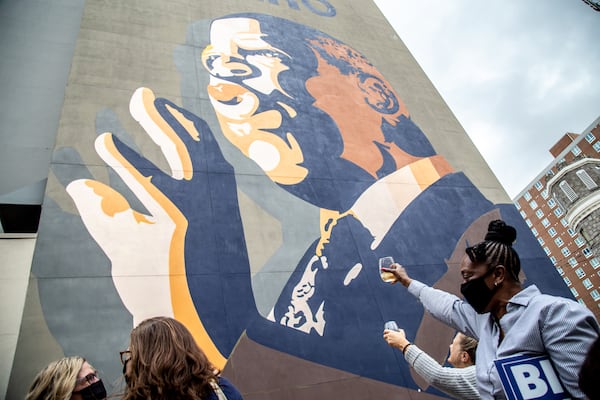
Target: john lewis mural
309, 130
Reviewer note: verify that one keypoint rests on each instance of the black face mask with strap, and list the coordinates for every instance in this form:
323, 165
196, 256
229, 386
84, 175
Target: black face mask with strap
477, 293
96, 391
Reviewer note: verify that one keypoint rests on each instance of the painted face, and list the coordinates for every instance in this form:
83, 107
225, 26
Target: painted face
245, 71
456, 351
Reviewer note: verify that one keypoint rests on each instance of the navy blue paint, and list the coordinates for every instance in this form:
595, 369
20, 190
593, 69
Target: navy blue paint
217, 268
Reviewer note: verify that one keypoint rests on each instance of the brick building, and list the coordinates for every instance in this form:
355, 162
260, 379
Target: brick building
562, 208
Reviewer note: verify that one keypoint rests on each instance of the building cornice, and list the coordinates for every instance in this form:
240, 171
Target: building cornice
569, 168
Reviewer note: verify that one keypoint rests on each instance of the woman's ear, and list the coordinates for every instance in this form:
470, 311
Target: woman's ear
499, 274
464, 357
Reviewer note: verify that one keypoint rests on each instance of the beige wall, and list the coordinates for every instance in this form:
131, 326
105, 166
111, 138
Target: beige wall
16, 253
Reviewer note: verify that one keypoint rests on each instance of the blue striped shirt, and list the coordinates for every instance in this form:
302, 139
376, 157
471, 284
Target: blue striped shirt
535, 324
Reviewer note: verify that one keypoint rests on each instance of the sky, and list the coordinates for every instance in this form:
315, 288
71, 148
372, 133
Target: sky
518, 74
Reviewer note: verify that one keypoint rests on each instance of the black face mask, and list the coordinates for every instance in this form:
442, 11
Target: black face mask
477, 294
95, 391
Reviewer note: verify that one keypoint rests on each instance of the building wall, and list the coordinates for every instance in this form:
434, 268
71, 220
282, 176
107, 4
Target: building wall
241, 166
572, 247
15, 257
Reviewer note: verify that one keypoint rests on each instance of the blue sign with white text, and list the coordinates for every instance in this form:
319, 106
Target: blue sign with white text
530, 377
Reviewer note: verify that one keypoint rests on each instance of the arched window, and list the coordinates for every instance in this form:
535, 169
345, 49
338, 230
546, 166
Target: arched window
568, 190
586, 179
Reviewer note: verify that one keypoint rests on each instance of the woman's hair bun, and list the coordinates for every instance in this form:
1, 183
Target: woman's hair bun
498, 231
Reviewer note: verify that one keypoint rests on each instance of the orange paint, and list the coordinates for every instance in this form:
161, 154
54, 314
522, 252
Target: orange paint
340, 96
184, 309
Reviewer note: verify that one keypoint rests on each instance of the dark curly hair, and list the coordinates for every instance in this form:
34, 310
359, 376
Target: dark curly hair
497, 249
166, 363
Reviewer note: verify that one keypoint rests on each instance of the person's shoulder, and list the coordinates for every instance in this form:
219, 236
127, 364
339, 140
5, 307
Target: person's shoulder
557, 304
230, 391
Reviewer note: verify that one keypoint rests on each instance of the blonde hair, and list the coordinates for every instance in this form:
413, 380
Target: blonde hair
469, 345
57, 380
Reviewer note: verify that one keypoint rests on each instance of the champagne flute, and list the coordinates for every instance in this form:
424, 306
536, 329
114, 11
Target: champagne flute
386, 262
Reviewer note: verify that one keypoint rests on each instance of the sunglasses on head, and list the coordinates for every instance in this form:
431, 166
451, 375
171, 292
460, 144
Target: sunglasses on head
477, 253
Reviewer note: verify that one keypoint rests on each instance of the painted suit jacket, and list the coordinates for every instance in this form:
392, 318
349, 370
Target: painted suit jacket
352, 300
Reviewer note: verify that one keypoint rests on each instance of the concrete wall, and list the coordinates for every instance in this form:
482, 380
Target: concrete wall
243, 174
15, 258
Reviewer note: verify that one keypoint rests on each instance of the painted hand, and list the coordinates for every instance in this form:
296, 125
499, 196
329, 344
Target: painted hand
155, 254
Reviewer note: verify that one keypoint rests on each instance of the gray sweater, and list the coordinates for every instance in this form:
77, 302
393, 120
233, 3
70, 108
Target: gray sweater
460, 383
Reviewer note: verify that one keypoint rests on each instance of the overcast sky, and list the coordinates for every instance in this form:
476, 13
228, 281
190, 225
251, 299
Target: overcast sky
517, 74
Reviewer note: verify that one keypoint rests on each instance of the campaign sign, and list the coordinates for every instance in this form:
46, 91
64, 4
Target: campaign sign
530, 377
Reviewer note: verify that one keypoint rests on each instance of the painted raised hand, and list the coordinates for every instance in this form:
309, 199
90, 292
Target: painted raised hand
185, 257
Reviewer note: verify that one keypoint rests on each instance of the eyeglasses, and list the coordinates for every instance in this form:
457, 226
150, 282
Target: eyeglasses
89, 378
125, 356
476, 253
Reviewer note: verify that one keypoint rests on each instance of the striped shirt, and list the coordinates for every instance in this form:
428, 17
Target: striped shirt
535, 324
460, 383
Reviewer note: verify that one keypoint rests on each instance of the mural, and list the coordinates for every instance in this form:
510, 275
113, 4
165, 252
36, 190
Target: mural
312, 142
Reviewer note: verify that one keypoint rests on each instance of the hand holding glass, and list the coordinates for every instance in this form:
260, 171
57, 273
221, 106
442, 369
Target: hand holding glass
386, 262
391, 325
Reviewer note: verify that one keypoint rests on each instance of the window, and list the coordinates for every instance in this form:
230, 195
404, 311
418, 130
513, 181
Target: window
552, 232
559, 242
534, 231
580, 301
541, 241
564, 222
538, 185
553, 259
587, 283
571, 232
523, 215
545, 222
547, 250
586, 179
565, 251
560, 271
587, 252
572, 261
552, 203
580, 273
545, 194
539, 213
576, 151
594, 293
590, 137
558, 212
567, 281
527, 196
528, 222
518, 205
568, 190
596, 146
574, 291
595, 263
533, 204
579, 241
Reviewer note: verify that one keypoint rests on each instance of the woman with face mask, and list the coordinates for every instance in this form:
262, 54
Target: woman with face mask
506, 318
164, 362
459, 382
70, 378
